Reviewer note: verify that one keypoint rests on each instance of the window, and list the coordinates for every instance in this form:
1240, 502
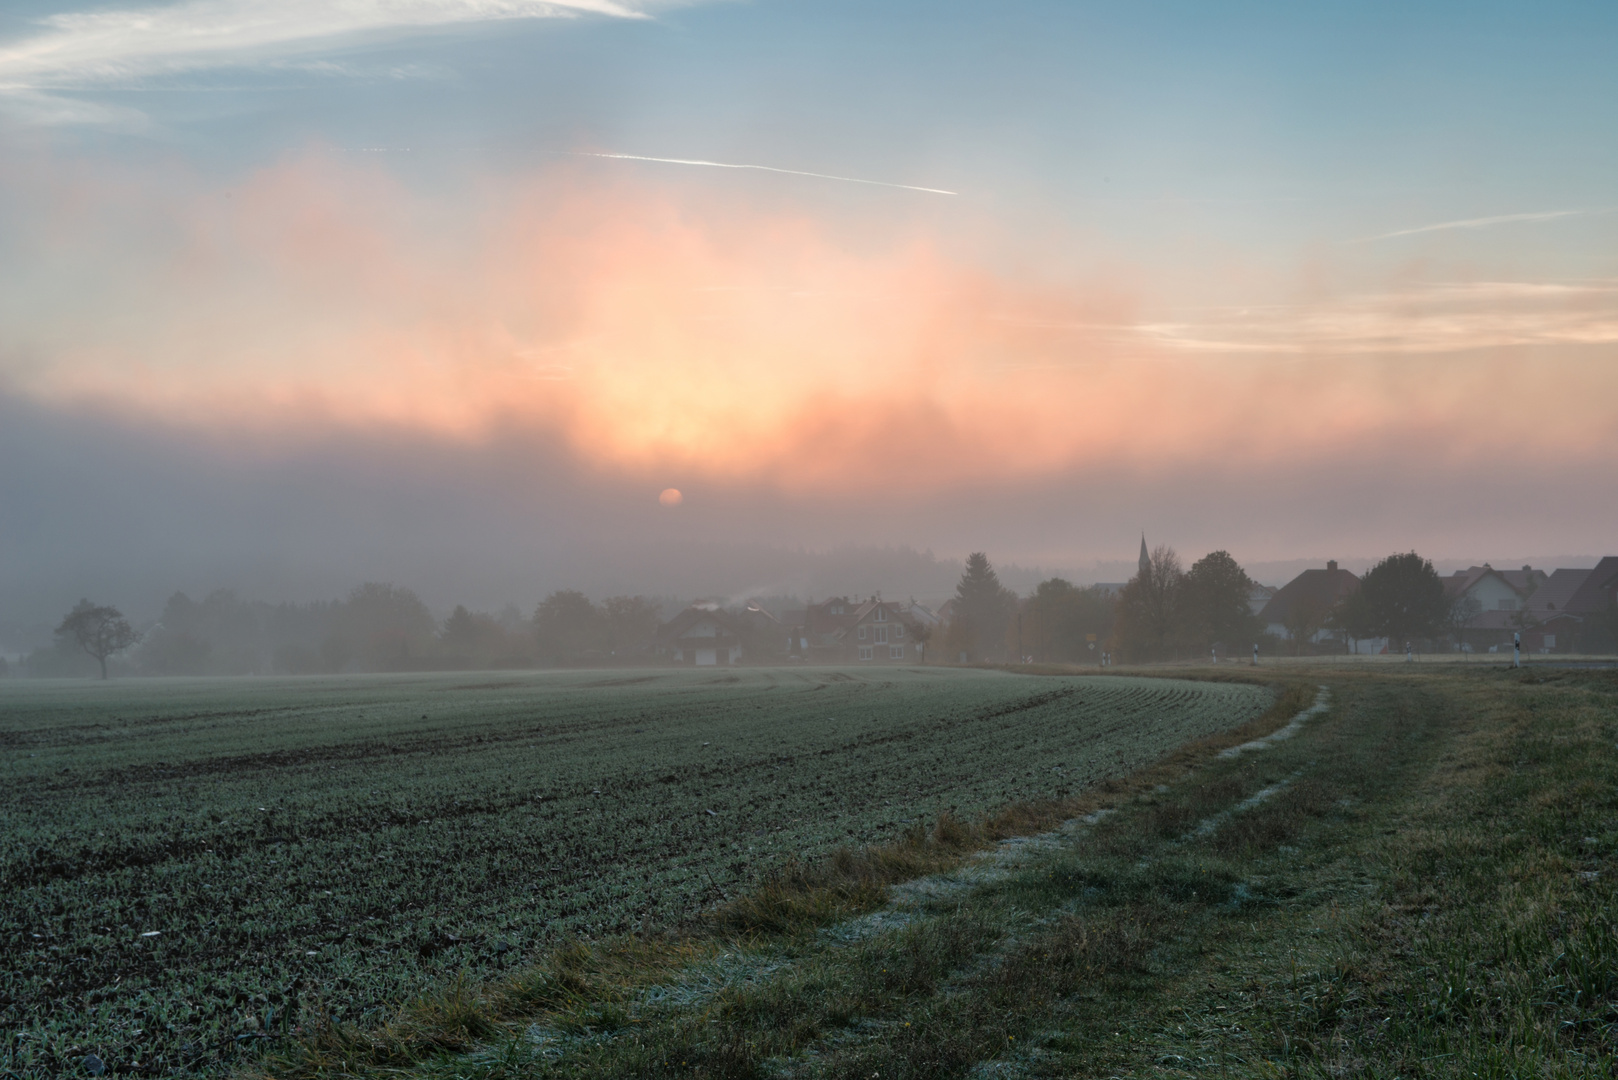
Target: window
1550, 641
896, 652
881, 614
862, 633
865, 652
898, 630
882, 635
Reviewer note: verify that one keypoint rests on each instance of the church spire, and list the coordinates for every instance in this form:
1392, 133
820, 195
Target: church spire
1145, 559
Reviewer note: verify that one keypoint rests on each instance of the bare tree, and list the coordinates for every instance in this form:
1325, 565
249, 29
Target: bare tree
1462, 613
99, 631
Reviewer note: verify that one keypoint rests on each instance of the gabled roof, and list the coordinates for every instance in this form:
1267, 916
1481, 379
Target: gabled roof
758, 611
1597, 592
895, 609
1320, 588
1460, 583
923, 614
1522, 582
691, 616
818, 618
1551, 598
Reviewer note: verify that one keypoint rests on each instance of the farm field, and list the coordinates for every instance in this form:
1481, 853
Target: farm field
1416, 876
189, 867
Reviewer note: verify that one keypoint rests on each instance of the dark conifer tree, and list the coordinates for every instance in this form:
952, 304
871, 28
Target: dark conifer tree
982, 606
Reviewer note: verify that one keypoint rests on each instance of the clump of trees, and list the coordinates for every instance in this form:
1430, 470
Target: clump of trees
376, 627
477, 639
1402, 598
1165, 612
1064, 623
570, 629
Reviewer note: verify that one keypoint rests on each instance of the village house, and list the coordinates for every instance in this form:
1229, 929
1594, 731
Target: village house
1550, 626
874, 631
1593, 602
702, 636
1501, 598
1301, 607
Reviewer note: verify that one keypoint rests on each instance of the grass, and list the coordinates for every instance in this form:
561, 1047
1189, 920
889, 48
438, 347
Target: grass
1419, 883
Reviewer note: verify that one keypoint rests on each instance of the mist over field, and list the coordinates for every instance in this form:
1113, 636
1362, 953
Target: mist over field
128, 512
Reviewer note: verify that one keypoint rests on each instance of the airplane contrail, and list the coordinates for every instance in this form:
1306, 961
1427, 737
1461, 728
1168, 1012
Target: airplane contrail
760, 168
1476, 223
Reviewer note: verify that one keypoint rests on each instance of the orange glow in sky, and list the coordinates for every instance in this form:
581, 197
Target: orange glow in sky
739, 344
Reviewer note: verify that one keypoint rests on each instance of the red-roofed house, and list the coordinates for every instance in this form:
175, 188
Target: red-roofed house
841, 631
1594, 601
1502, 601
1302, 604
1550, 626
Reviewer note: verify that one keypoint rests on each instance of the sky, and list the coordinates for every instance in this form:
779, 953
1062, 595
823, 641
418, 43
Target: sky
300, 293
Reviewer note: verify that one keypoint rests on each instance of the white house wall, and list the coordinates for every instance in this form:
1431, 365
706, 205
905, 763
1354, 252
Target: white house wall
1490, 591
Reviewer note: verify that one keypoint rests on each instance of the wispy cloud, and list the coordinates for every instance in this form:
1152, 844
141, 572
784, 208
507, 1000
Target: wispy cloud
1477, 223
1439, 318
96, 49
762, 168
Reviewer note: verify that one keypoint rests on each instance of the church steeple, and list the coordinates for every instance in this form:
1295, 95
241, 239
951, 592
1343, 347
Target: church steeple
1145, 559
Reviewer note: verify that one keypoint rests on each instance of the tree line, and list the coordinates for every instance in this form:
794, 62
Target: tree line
1166, 612
376, 627
1162, 613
